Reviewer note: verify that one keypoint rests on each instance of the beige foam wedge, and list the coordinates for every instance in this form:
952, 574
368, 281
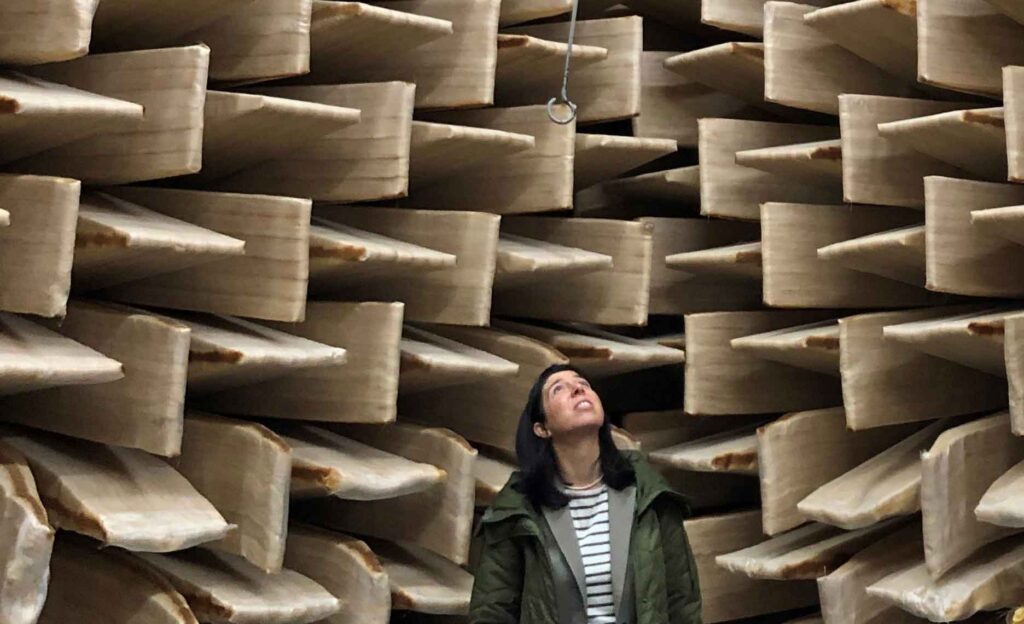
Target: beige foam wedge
244, 470
656, 430
438, 519
492, 473
108, 585
744, 16
885, 486
117, 241
241, 130
964, 44
843, 593
460, 295
431, 361
801, 452
742, 260
609, 89
130, 25
226, 588
266, 39
671, 104
534, 180
882, 32
38, 115
454, 71
721, 380
442, 150
529, 67
897, 254
603, 157
226, 352
169, 83
341, 256
972, 140
350, 40
877, 170
962, 259
730, 190
818, 161
794, 275
122, 497
736, 68
814, 347
1005, 222
732, 451
618, 295
143, 409
928, 388
362, 388
36, 358
974, 339
806, 553
27, 538
424, 582
344, 566
956, 472
268, 282
596, 352
1013, 119
37, 249
726, 595
983, 583
682, 184
805, 69
524, 260
44, 32
336, 166
1013, 328
327, 464
520, 11
501, 397
1001, 504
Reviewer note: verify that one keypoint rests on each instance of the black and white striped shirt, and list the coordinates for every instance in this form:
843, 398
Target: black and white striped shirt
589, 510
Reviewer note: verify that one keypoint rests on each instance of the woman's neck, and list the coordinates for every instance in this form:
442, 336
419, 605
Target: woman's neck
579, 461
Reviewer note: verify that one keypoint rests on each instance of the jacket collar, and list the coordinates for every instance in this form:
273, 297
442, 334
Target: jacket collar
621, 511
650, 486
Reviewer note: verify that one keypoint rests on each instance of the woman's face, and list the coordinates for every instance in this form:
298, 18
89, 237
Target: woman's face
570, 405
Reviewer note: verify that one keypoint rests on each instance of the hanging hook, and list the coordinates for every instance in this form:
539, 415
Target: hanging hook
563, 98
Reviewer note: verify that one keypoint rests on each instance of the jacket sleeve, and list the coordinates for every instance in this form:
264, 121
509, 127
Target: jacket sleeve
498, 583
684, 601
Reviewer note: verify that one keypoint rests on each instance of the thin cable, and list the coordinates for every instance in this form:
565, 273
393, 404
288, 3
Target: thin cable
564, 98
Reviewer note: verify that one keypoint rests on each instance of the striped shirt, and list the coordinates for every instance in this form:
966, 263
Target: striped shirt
589, 510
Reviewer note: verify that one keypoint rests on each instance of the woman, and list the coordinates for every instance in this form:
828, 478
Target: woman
582, 533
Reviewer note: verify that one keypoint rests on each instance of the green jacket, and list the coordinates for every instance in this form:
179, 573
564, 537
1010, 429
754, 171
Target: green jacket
521, 577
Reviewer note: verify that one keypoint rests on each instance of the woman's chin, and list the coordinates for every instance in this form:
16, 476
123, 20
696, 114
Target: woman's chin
588, 421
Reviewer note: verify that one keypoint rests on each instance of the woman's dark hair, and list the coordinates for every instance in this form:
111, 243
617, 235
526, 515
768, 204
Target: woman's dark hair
537, 464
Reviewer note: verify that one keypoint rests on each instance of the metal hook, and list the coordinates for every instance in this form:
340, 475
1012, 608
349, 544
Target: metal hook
564, 97
561, 120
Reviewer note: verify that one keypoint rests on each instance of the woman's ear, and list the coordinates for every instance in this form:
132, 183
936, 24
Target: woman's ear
541, 431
